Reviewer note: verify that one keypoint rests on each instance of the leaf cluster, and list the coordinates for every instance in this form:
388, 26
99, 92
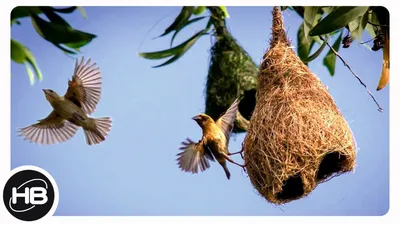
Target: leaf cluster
55, 30
188, 15
333, 22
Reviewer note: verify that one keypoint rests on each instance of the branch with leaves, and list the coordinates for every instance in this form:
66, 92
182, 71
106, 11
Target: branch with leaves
55, 30
333, 22
184, 19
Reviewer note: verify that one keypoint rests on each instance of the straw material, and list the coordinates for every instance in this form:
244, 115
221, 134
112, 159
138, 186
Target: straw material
297, 137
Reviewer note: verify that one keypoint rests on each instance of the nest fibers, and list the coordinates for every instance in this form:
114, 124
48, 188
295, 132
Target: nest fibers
297, 137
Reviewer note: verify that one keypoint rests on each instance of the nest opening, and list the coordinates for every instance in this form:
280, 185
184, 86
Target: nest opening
333, 162
248, 103
292, 188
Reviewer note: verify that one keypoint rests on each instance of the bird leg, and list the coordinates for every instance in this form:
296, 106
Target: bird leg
230, 160
239, 152
234, 153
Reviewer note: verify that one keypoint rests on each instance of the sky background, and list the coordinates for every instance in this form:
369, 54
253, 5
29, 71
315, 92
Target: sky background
134, 172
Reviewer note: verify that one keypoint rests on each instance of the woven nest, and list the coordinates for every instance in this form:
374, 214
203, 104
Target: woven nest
232, 72
297, 137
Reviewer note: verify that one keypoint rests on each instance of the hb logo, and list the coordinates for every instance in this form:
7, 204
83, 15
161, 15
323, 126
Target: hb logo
30, 193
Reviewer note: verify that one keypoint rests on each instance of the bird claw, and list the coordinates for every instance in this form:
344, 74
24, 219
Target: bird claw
244, 168
239, 152
242, 150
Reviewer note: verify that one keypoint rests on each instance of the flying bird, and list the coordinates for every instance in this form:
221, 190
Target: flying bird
71, 110
213, 144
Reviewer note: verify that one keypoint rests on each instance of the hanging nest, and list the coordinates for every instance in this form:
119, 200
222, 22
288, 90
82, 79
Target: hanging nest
232, 72
297, 137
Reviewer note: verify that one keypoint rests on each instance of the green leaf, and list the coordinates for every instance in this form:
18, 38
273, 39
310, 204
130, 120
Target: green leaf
318, 52
15, 21
199, 10
70, 10
172, 51
337, 19
75, 45
225, 11
310, 13
177, 51
372, 30
209, 23
82, 11
299, 10
328, 9
65, 50
362, 26
303, 46
186, 24
21, 54
31, 60
283, 8
54, 17
17, 52
65, 10
180, 20
367, 46
330, 59
30, 74
357, 27
353, 25
59, 34
24, 11
161, 54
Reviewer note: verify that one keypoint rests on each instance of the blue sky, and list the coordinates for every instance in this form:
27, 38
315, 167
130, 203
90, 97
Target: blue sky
134, 171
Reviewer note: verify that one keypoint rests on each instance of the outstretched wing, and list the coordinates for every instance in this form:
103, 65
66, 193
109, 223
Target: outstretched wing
226, 121
85, 88
194, 156
50, 130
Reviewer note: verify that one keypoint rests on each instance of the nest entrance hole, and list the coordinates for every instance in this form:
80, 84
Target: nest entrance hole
292, 188
248, 103
332, 163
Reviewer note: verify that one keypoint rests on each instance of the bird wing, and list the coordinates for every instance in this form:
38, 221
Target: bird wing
194, 156
50, 130
226, 121
85, 88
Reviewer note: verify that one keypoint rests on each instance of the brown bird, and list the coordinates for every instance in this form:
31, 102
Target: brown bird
71, 110
214, 143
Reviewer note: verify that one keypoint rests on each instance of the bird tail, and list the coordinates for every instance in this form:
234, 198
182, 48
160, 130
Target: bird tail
97, 129
228, 174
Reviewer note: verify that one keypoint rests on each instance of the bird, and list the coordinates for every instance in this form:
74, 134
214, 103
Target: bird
213, 144
72, 110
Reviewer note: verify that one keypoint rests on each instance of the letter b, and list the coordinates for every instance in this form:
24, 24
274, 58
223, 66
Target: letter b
38, 192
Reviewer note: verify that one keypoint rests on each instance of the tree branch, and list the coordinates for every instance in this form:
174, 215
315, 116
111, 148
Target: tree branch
351, 70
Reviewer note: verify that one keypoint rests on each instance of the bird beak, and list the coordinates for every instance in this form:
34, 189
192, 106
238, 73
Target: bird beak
196, 118
46, 91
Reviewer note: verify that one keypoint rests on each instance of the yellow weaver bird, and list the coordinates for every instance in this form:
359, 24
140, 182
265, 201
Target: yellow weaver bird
213, 145
71, 110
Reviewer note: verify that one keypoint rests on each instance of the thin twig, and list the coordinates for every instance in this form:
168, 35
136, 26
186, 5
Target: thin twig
377, 25
367, 41
351, 70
